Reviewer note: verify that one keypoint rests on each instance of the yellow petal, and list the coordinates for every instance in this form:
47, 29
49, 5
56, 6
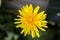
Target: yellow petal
27, 31
39, 16
36, 10
42, 29
18, 26
25, 9
44, 23
19, 16
44, 16
20, 12
21, 26
33, 34
23, 31
37, 32
16, 19
26, 5
17, 22
30, 8
45, 26
39, 24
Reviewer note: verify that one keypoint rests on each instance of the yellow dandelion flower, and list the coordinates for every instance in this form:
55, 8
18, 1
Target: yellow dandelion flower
30, 20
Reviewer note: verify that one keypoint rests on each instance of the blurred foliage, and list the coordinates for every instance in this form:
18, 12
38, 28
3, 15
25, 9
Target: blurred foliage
0, 3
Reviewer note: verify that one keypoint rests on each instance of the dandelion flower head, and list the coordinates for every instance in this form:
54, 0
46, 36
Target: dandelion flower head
31, 21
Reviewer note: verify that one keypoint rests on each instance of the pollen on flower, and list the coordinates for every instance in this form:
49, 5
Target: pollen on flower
30, 20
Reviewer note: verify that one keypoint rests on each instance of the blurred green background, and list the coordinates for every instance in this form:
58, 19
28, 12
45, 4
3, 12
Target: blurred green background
8, 12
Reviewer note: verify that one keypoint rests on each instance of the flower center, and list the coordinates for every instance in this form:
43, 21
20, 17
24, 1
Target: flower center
30, 19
